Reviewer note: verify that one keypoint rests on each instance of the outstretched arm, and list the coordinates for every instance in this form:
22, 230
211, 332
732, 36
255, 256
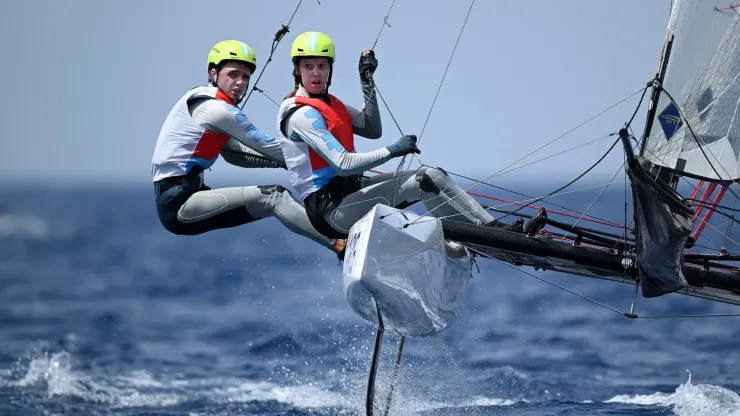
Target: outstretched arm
307, 125
221, 117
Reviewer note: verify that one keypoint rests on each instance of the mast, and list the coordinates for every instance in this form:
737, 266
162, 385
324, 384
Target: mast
655, 95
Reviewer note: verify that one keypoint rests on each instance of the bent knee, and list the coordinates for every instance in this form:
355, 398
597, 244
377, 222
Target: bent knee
202, 205
437, 174
273, 189
172, 224
432, 180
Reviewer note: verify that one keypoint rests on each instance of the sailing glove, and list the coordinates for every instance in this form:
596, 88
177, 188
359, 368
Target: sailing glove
404, 146
368, 65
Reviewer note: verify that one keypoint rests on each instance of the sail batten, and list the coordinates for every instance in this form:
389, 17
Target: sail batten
694, 128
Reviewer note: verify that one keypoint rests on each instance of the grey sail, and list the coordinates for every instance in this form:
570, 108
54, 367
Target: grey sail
702, 78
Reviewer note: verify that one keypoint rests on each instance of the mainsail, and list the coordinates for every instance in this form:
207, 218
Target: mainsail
701, 81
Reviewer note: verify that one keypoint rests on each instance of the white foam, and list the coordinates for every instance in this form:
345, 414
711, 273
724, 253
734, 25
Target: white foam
54, 373
641, 399
492, 401
54, 370
306, 396
141, 389
403, 404
689, 400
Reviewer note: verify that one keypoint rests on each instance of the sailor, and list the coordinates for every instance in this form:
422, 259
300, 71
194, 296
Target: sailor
205, 123
316, 131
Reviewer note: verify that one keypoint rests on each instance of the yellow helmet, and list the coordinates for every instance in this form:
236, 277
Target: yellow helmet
313, 45
231, 50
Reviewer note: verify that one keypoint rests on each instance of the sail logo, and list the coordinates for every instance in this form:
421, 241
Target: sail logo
670, 121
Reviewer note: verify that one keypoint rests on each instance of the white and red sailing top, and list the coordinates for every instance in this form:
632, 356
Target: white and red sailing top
318, 138
204, 123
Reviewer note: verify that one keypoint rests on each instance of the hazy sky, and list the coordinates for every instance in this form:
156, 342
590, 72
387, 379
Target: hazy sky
89, 83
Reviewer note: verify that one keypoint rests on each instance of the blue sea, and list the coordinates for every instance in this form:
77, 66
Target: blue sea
105, 313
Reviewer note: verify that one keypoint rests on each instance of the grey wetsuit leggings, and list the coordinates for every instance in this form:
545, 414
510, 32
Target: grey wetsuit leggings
434, 188
185, 210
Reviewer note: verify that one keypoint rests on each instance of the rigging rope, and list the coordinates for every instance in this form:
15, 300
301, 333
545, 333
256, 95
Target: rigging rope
553, 192
714, 207
372, 79
595, 302
731, 7
268, 97
589, 218
519, 203
550, 283
571, 182
729, 224
543, 146
444, 75
597, 198
385, 23
521, 194
386, 105
534, 199
278, 37
554, 155
709, 315
629, 123
439, 88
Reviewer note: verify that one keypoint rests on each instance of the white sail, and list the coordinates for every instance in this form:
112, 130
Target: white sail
702, 76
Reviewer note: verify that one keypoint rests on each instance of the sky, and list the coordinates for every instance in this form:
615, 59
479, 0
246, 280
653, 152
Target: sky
88, 83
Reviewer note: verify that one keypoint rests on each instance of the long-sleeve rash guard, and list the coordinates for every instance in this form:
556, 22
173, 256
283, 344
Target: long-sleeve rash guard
246, 140
366, 121
237, 154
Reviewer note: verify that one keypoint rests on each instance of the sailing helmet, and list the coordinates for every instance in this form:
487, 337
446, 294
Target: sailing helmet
312, 45
231, 50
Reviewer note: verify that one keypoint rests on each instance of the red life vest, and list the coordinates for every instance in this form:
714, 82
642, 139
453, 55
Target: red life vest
338, 121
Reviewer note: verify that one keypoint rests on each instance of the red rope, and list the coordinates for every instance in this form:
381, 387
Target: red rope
624, 235
549, 211
731, 7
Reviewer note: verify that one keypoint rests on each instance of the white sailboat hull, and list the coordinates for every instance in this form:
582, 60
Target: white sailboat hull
415, 279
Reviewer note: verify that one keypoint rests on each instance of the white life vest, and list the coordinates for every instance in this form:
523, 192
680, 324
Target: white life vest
182, 143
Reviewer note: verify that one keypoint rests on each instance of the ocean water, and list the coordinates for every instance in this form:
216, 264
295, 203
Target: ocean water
105, 313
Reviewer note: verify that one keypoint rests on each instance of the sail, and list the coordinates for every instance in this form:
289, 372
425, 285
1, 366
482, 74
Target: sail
703, 67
